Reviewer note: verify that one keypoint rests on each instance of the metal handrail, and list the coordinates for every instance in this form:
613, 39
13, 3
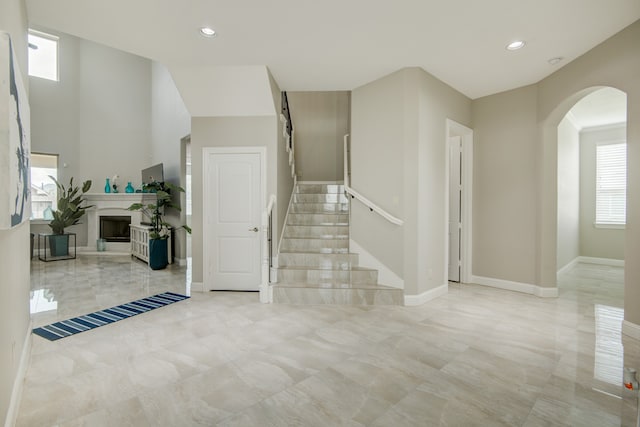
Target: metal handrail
354, 194
267, 260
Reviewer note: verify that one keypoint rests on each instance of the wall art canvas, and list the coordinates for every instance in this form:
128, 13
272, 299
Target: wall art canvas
15, 144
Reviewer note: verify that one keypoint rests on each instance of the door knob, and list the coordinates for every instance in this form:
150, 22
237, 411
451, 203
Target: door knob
254, 229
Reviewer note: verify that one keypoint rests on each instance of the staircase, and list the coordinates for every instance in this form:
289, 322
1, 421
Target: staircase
315, 265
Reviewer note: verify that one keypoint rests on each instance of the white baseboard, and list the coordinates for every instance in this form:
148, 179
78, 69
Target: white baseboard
321, 182
365, 259
631, 329
16, 392
197, 286
182, 262
601, 261
569, 266
412, 300
525, 288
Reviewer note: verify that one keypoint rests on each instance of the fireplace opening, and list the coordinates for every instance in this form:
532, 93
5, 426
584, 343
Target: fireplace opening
115, 228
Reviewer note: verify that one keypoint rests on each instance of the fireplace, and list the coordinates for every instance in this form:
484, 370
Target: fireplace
115, 228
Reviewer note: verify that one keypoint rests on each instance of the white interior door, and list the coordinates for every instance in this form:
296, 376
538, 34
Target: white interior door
232, 205
455, 206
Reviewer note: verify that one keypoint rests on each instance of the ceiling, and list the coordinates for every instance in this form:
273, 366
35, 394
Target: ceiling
605, 106
343, 44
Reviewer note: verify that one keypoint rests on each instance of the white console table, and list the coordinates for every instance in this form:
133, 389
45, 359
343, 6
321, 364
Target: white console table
140, 243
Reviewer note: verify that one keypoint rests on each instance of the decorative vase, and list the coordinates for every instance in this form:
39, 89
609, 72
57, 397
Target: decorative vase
129, 188
59, 244
158, 254
107, 186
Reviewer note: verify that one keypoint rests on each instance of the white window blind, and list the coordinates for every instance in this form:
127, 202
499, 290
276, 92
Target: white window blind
611, 183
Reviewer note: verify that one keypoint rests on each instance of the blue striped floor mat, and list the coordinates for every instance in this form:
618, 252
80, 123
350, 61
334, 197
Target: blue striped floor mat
66, 328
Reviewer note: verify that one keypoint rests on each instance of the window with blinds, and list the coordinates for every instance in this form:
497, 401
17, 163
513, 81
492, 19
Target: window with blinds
611, 184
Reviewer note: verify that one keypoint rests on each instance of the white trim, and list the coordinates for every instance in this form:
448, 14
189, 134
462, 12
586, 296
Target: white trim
431, 294
454, 128
16, 392
322, 182
601, 261
365, 259
181, 261
631, 329
197, 286
569, 266
508, 285
609, 226
206, 152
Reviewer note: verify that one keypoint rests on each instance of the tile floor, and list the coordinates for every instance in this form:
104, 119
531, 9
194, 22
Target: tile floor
477, 356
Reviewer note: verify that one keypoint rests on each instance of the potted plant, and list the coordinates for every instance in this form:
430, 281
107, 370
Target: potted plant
70, 209
160, 229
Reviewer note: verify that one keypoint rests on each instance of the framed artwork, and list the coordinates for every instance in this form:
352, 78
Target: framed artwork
15, 143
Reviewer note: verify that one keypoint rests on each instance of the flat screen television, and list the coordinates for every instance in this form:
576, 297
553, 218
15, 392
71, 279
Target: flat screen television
153, 173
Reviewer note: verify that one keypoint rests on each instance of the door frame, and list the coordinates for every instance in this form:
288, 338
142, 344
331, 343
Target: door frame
454, 128
206, 249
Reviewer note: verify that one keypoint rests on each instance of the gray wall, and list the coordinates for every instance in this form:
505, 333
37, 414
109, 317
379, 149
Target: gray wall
321, 120
398, 133
596, 242
110, 113
227, 132
14, 244
504, 185
525, 123
568, 193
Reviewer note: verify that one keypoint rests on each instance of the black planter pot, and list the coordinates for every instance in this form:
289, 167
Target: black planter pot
59, 245
158, 254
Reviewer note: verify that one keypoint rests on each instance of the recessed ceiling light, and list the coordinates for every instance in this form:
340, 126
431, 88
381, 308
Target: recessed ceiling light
515, 45
208, 32
554, 61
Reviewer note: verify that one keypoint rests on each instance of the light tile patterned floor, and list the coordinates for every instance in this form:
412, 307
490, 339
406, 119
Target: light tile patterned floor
477, 356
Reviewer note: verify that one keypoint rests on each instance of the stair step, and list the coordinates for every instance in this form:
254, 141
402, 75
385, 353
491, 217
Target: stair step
315, 245
354, 276
303, 294
320, 188
317, 231
319, 208
317, 219
318, 261
319, 198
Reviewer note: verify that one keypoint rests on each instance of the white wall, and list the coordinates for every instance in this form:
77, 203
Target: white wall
321, 120
170, 122
398, 144
97, 118
568, 192
14, 248
596, 242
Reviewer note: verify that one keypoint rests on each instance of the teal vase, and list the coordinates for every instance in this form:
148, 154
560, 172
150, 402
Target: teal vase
129, 188
107, 186
158, 254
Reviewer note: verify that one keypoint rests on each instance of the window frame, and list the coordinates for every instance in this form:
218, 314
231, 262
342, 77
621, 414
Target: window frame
609, 222
53, 38
42, 220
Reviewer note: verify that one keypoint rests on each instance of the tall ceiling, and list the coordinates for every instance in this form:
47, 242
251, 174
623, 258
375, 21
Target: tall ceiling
342, 44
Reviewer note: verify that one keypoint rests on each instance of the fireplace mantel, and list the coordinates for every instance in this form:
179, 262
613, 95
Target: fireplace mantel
113, 204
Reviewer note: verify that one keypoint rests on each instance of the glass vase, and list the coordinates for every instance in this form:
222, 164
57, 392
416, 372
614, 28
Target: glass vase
107, 186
